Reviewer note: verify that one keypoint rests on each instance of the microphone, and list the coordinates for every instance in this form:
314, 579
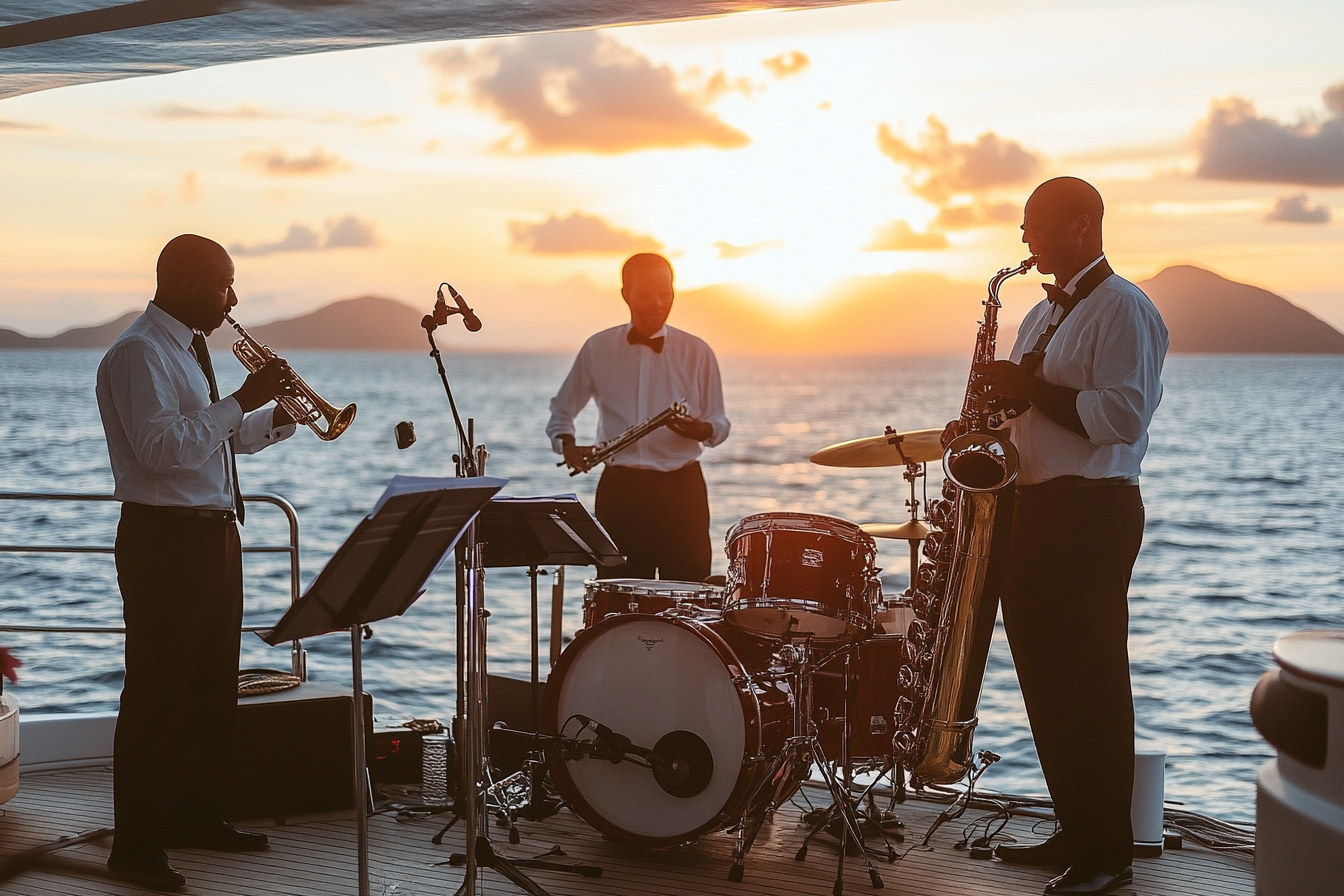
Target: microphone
469, 318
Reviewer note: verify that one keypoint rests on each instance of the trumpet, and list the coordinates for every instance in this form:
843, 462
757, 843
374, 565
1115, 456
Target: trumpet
305, 405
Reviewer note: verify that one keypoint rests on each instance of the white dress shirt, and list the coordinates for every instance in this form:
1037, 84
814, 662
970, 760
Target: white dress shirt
1111, 348
632, 383
165, 439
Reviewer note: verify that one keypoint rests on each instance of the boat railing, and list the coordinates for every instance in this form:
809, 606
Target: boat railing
298, 663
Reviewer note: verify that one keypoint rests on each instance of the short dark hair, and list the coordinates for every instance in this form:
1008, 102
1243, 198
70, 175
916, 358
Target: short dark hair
642, 261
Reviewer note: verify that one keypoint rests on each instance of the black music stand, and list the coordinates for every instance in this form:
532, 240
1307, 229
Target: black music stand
380, 570
546, 531
530, 532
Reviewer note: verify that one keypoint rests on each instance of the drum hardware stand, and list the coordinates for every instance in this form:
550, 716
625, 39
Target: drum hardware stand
801, 751
843, 814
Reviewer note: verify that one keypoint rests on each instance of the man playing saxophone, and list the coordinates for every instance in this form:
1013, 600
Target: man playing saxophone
652, 497
171, 441
1085, 379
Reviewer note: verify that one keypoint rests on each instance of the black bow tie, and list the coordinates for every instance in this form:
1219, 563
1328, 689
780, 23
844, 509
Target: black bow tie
654, 342
1057, 294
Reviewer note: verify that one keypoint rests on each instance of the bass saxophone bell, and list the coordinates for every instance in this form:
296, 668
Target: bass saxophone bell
305, 405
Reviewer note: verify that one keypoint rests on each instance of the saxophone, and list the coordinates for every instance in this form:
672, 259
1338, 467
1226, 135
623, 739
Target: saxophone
946, 648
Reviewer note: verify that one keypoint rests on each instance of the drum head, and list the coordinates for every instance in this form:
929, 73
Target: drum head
651, 679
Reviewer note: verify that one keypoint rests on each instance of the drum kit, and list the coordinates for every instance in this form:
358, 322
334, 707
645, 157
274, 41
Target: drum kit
711, 705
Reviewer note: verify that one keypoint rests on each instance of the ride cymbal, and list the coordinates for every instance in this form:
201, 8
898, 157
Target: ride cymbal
891, 450
910, 530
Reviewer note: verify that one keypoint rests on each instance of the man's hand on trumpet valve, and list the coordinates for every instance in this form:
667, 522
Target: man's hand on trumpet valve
272, 379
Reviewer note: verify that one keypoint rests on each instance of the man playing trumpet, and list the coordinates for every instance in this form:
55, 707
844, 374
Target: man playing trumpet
651, 498
171, 440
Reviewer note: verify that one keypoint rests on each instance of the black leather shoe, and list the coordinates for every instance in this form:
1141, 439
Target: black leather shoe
148, 868
1085, 880
220, 837
1048, 852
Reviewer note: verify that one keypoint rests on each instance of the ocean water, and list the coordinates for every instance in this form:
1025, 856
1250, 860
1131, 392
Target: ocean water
1243, 487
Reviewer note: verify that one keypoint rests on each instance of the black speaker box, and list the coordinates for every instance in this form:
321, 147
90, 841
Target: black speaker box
293, 754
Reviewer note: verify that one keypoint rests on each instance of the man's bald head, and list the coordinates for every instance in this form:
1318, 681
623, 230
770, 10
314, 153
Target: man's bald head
1062, 226
1064, 199
195, 281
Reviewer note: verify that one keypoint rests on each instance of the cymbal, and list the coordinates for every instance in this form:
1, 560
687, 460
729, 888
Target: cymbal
917, 446
910, 530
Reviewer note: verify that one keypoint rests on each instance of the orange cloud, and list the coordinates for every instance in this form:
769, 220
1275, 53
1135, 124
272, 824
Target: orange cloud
729, 251
899, 236
181, 111
579, 234
582, 91
976, 214
189, 189
1237, 144
941, 169
786, 64
277, 164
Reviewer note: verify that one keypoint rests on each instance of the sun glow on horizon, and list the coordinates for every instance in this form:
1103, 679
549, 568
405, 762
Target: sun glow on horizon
787, 155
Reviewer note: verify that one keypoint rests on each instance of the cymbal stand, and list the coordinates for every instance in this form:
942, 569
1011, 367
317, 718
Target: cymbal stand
912, 472
801, 751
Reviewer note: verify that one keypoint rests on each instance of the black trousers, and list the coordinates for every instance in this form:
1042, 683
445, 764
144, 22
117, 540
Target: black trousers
660, 521
181, 581
1066, 614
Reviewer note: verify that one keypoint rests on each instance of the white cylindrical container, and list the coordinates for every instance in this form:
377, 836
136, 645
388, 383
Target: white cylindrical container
9, 747
434, 769
1145, 810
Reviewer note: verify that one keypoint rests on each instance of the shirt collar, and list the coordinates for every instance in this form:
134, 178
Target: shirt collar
1073, 284
180, 332
662, 331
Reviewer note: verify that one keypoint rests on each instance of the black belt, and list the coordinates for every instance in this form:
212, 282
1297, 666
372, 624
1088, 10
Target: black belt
1083, 482
207, 513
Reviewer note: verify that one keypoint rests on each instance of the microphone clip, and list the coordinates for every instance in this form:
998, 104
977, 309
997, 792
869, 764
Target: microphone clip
442, 311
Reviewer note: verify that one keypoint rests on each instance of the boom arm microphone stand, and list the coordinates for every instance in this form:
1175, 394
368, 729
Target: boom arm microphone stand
471, 615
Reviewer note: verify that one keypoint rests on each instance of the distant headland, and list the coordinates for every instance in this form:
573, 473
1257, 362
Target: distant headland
1204, 313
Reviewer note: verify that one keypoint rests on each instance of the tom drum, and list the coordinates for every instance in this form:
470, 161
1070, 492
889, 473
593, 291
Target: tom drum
800, 572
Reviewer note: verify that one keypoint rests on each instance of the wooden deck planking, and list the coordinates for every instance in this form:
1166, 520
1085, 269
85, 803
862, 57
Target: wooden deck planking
318, 857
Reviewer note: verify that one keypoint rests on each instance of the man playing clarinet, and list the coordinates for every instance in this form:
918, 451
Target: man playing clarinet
651, 498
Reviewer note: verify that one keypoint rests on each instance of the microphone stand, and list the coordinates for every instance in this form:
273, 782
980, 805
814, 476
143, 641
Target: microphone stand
471, 631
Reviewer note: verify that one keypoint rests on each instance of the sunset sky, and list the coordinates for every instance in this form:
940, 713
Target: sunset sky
798, 155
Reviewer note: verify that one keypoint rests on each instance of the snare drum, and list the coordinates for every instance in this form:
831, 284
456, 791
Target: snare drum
674, 685
607, 597
874, 663
800, 572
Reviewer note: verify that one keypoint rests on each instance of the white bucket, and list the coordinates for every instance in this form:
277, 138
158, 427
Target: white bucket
9, 747
1145, 811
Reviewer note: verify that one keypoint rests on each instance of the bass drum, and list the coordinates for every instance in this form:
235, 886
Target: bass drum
675, 685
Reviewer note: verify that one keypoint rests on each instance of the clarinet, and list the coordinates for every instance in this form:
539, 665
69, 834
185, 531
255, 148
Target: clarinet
604, 450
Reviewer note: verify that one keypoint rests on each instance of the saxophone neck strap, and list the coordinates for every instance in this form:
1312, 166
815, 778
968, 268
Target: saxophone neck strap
1090, 281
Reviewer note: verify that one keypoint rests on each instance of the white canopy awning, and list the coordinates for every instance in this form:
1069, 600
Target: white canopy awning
53, 43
